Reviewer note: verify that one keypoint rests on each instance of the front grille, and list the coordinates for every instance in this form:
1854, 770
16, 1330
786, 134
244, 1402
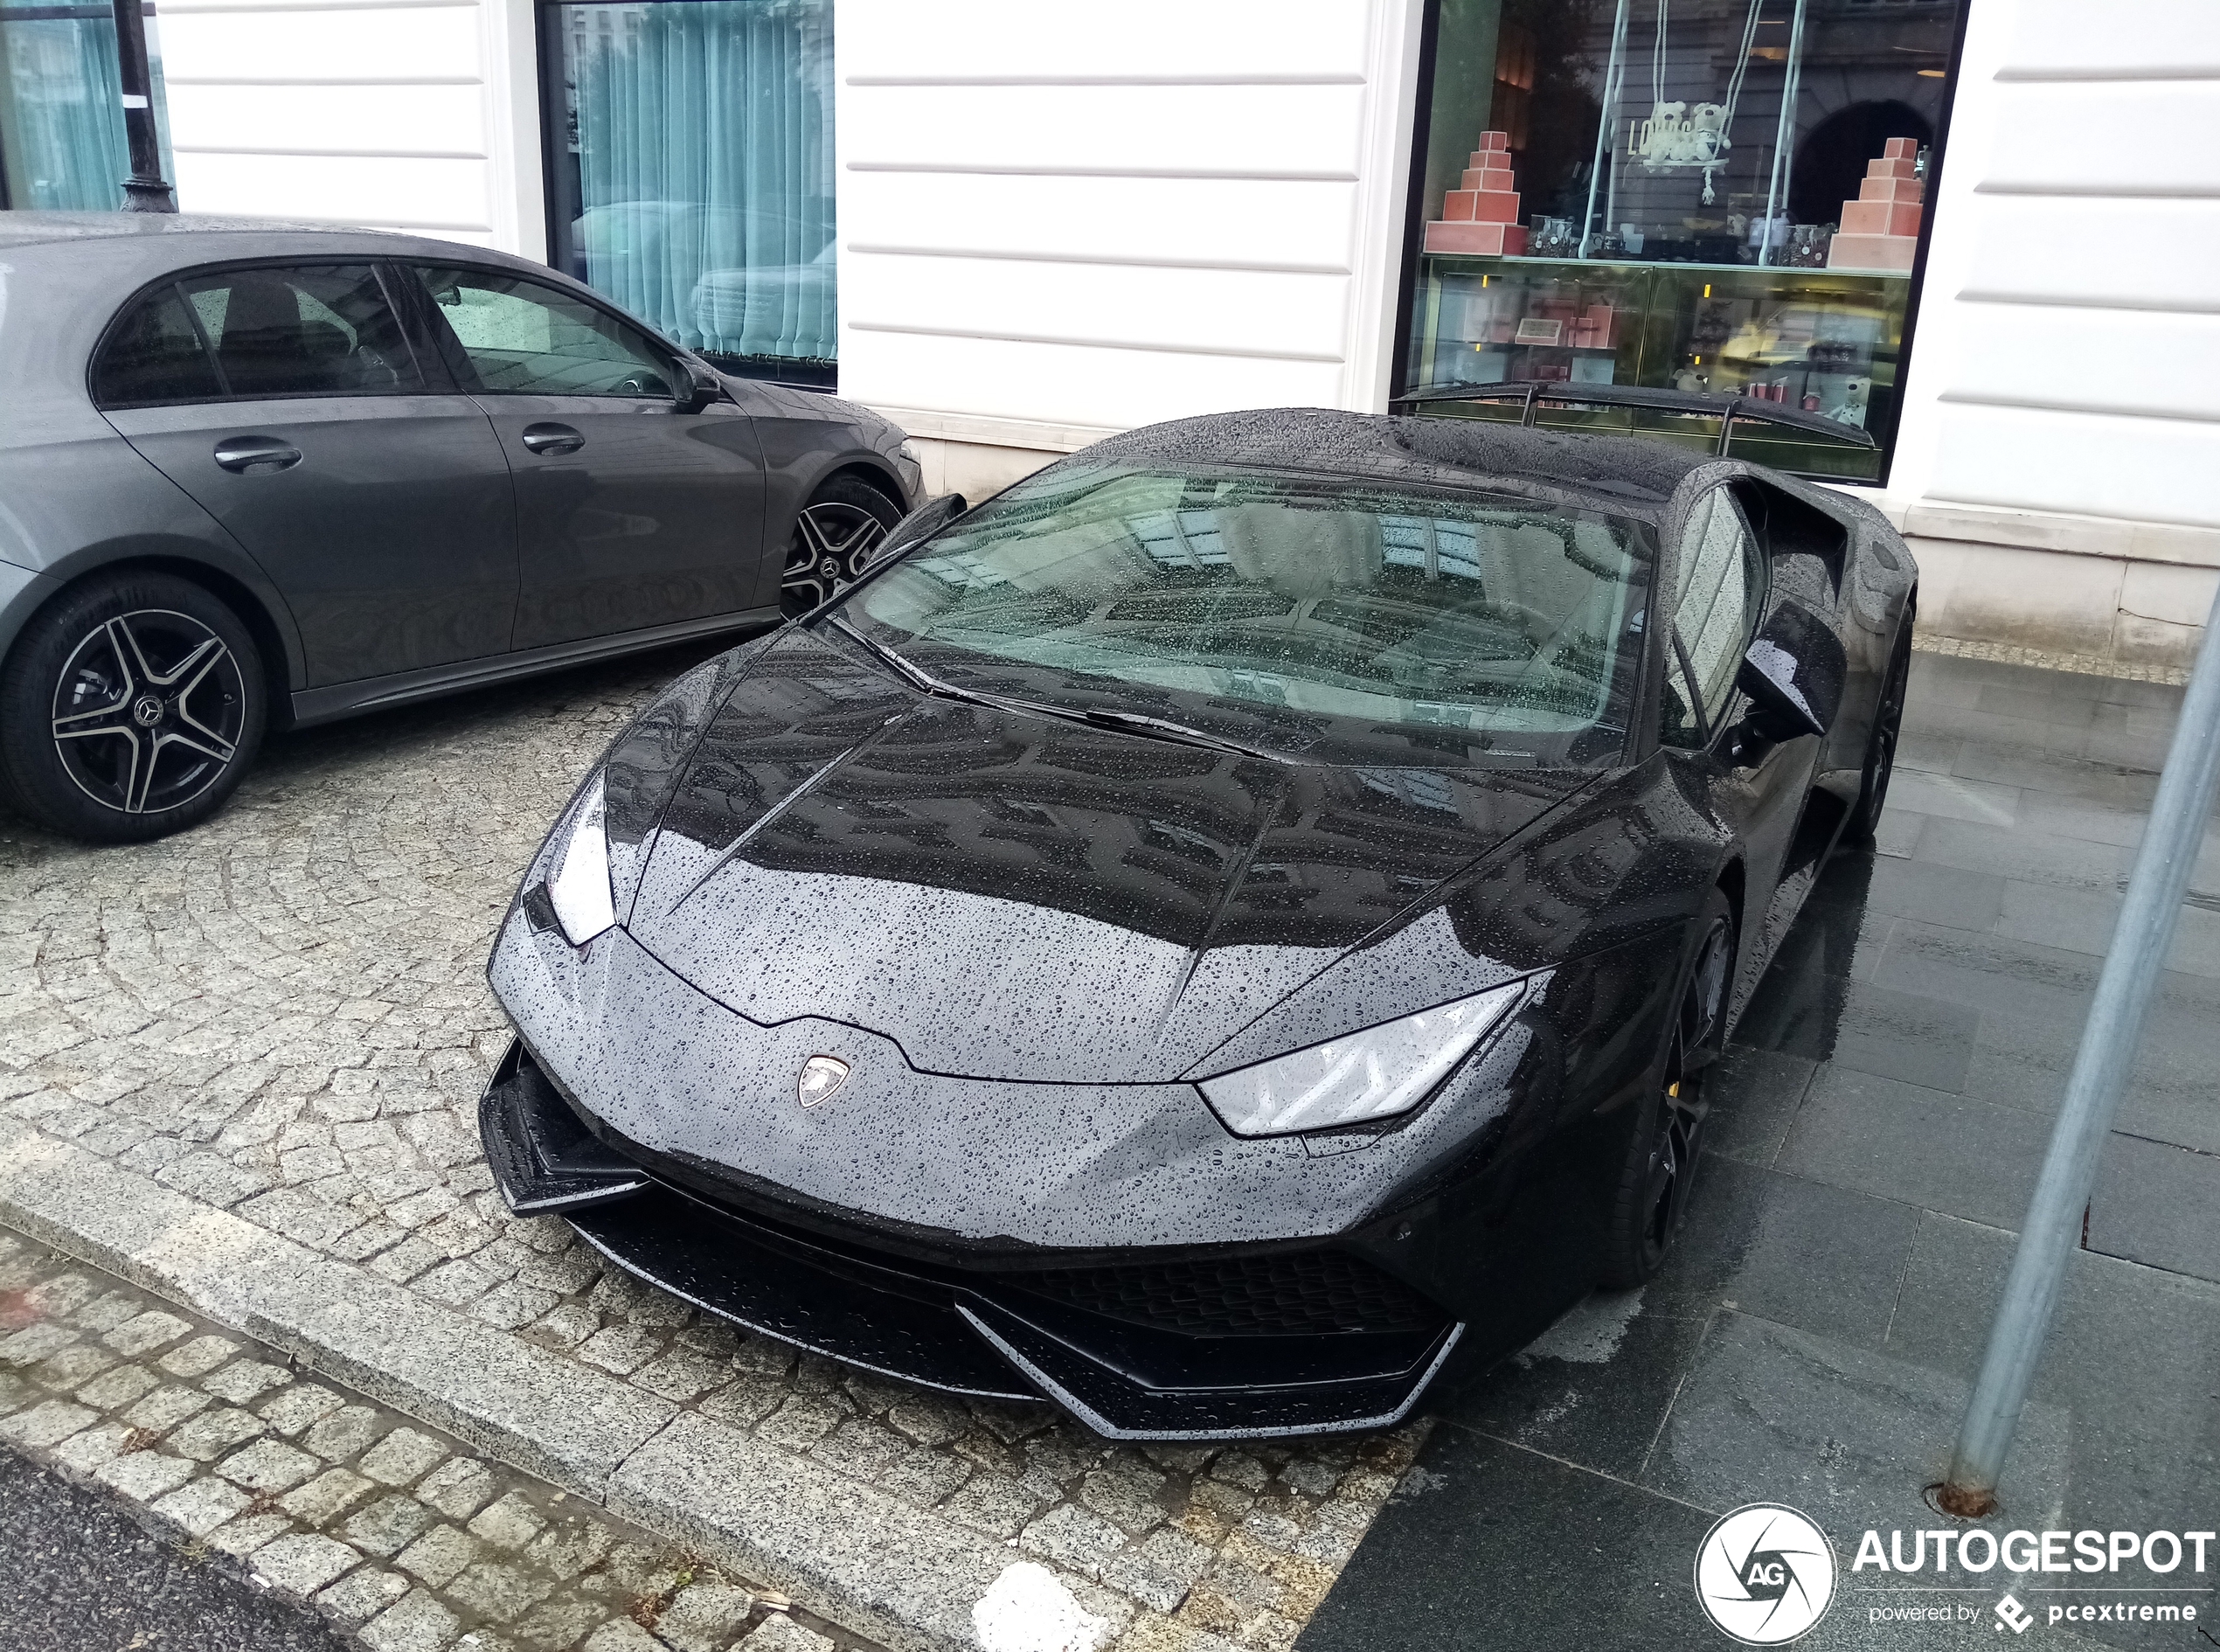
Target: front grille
1307, 1293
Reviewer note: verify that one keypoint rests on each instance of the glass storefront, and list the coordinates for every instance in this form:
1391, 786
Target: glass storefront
1722, 196
62, 147
692, 175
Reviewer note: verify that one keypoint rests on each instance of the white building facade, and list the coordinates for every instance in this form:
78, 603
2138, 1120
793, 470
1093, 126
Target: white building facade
1038, 224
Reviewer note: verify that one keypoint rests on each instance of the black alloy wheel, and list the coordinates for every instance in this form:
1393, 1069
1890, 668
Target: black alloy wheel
835, 538
129, 709
1881, 750
1661, 1164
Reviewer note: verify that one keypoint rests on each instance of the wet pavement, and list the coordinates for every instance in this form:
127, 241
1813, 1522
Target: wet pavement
1877, 1127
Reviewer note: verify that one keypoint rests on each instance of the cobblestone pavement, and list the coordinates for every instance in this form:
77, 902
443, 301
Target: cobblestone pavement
379, 1522
283, 1014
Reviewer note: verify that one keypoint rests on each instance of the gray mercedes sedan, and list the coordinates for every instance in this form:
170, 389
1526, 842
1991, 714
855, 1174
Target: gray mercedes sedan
254, 475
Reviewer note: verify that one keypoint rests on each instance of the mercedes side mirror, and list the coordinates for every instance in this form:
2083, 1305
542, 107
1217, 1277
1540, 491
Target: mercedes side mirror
1793, 674
699, 385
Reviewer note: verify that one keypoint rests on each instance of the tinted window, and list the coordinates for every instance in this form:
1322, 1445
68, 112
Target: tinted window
526, 339
1287, 601
154, 355
1722, 585
323, 331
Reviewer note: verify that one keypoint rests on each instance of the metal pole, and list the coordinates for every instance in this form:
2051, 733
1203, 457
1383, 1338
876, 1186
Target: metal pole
1784, 129
2052, 1230
1606, 126
144, 191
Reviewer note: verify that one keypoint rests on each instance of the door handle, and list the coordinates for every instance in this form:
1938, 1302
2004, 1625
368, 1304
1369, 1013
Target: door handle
246, 455
552, 439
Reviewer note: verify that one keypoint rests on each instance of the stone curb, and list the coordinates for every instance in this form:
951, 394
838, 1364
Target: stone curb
865, 1561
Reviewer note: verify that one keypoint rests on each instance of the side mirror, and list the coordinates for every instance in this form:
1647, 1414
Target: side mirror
926, 520
1793, 673
699, 385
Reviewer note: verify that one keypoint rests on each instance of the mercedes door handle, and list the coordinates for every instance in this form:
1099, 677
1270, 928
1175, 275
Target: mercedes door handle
246, 455
552, 439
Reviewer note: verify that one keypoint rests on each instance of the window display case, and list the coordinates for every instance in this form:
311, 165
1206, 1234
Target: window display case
1713, 195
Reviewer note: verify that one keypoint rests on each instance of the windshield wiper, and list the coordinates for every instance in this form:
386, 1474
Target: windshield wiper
1163, 728
1130, 722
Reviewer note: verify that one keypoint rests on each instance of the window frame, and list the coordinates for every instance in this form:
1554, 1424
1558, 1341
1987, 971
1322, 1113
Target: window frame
464, 371
1403, 311
430, 382
555, 197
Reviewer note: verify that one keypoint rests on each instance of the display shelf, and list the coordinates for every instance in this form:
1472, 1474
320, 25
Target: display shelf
1824, 341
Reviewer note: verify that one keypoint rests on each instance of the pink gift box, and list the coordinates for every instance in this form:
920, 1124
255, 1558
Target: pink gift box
1881, 218
1889, 189
1872, 252
1494, 139
1888, 166
1901, 150
1479, 206
1486, 240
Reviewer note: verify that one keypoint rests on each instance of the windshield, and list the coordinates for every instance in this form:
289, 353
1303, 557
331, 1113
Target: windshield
1321, 616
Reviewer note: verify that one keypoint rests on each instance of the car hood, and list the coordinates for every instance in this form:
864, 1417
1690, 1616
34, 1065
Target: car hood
1019, 897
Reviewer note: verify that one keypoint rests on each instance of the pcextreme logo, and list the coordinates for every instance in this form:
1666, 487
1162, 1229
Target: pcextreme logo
1765, 1574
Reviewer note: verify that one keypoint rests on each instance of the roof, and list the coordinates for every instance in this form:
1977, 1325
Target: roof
1624, 474
29, 229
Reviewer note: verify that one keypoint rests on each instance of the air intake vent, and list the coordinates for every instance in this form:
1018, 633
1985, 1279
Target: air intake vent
1304, 1293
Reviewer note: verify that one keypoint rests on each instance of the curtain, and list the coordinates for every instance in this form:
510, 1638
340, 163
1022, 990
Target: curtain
703, 137
62, 111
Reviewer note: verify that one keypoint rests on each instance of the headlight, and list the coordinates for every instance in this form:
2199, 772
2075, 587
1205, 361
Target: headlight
577, 877
1373, 1074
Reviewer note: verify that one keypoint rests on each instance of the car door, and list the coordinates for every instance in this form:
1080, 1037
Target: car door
375, 496
1721, 588
630, 513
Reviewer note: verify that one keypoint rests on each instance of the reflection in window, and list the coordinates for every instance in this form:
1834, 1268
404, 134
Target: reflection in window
1393, 607
62, 147
525, 339
1721, 196
696, 186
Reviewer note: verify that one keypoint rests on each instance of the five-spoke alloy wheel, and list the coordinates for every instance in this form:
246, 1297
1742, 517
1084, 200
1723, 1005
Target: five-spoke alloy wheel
129, 709
835, 538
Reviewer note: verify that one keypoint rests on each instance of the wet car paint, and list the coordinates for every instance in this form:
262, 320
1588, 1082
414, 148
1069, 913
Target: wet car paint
1029, 939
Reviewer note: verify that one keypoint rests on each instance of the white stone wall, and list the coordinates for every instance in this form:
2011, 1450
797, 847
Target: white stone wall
1058, 220
2062, 420
396, 113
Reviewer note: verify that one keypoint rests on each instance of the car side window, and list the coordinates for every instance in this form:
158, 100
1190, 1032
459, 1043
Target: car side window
525, 339
1721, 592
153, 355
312, 330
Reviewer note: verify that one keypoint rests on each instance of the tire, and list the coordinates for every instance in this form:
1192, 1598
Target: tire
834, 539
130, 708
1660, 1164
1881, 749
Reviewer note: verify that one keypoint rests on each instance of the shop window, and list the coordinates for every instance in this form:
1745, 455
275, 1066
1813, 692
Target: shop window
62, 146
1716, 195
690, 172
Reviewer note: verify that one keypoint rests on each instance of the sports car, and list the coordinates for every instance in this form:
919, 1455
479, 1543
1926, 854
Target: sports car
1212, 930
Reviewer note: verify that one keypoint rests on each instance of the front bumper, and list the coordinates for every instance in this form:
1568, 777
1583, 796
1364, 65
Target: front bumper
1222, 1343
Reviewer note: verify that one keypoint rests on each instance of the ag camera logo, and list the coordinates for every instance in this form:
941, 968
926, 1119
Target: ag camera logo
1765, 1574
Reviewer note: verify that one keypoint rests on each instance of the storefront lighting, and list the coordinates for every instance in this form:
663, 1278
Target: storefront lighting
1933, 74
1707, 289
